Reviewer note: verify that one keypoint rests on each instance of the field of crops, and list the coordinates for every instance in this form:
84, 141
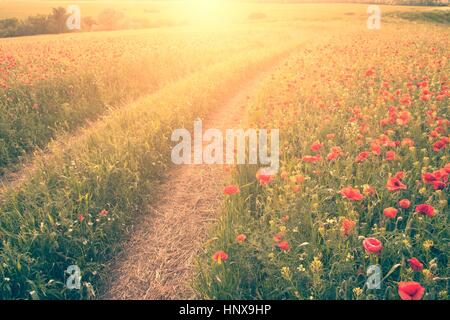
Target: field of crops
53, 84
85, 141
363, 179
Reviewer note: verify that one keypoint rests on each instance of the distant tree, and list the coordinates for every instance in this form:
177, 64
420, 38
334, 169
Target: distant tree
34, 25
8, 27
57, 20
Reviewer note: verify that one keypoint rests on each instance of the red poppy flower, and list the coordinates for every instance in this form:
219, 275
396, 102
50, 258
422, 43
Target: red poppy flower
104, 212
372, 245
351, 194
362, 156
426, 209
410, 290
390, 212
220, 256
241, 238
230, 190
81, 217
390, 155
415, 264
376, 149
347, 226
404, 203
283, 245
394, 184
264, 176
441, 144
428, 178
316, 146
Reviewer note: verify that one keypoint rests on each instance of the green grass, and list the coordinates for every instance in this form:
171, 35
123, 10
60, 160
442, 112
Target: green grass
437, 16
315, 95
112, 166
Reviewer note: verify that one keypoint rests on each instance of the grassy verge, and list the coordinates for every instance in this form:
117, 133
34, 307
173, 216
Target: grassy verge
73, 78
74, 207
375, 121
436, 16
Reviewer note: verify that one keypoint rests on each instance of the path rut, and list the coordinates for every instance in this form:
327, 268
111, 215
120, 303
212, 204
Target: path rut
158, 258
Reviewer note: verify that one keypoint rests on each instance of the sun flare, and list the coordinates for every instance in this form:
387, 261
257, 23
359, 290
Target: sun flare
210, 12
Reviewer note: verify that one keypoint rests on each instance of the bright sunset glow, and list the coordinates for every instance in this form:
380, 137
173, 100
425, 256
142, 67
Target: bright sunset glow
207, 12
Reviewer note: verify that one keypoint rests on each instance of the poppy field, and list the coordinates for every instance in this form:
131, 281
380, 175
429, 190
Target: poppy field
47, 89
86, 135
363, 178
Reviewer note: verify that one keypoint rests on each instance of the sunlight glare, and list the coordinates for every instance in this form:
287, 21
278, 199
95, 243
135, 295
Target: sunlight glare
206, 12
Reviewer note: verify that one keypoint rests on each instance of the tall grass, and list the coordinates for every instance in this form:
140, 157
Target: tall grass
342, 104
76, 204
53, 84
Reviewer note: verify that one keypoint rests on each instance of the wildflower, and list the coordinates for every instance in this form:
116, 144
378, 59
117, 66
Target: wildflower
81, 217
369, 190
395, 184
390, 155
428, 275
334, 154
316, 146
427, 244
241, 238
264, 176
362, 156
104, 213
410, 290
347, 226
426, 209
441, 144
372, 245
407, 142
357, 291
283, 245
415, 264
404, 203
376, 149
390, 212
443, 294
316, 266
231, 189
220, 256
351, 194
285, 272
301, 268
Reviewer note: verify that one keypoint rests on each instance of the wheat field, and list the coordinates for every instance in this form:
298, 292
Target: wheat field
86, 138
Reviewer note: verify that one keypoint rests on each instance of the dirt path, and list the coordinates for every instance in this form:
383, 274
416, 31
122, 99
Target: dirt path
157, 260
